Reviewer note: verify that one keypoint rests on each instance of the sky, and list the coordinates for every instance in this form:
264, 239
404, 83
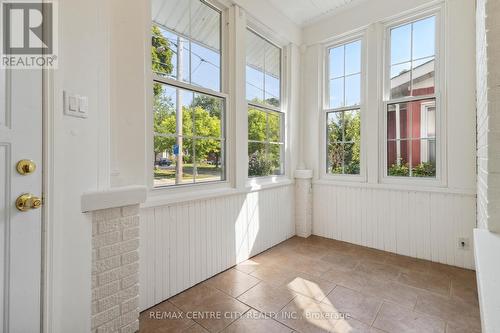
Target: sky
411, 45
203, 65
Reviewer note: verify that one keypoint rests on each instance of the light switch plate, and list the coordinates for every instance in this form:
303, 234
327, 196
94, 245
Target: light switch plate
83, 107
75, 105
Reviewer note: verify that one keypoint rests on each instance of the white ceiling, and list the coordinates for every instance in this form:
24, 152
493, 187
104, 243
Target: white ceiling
303, 12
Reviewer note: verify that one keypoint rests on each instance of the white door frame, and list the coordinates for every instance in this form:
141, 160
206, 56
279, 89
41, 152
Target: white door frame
47, 216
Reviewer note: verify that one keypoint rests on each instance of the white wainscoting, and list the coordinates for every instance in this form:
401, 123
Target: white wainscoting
419, 224
184, 244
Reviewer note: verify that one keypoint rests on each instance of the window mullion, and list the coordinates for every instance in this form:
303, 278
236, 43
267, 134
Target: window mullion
412, 61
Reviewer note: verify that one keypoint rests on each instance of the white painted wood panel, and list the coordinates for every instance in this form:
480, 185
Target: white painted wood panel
418, 224
186, 243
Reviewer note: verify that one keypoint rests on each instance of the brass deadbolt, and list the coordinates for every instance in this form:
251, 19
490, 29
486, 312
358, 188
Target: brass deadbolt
28, 201
25, 167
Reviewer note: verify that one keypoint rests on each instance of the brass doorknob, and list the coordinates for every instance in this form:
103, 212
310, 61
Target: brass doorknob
28, 201
25, 167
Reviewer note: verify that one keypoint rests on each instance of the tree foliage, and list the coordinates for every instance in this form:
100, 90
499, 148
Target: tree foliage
264, 155
402, 169
161, 56
195, 121
344, 137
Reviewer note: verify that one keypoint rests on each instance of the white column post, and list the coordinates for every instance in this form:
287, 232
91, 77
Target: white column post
303, 202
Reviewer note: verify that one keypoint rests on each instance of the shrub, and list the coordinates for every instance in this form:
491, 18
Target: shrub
259, 165
399, 170
422, 170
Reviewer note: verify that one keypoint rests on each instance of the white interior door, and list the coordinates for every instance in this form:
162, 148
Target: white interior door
20, 231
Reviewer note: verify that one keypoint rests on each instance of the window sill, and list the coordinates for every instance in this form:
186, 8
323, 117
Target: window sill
396, 187
344, 178
172, 196
263, 183
165, 197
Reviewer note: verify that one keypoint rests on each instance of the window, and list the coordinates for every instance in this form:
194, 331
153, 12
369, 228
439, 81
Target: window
265, 119
411, 108
343, 115
188, 106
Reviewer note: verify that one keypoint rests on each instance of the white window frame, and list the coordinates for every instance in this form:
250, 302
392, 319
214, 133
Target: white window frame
253, 27
152, 77
440, 179
325, 74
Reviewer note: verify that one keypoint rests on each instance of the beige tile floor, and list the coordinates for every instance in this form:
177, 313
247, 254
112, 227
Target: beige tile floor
322, 285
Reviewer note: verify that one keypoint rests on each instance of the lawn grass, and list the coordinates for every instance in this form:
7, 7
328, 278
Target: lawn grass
204, 171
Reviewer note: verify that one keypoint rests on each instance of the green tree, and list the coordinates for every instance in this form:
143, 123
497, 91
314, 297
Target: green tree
204, 125
161, 55
257, 125
344, 137
211, 104
164, 113
264, 155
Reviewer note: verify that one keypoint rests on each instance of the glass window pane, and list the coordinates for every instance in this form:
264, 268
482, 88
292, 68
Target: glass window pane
398, 158
423, 158
205, 24
258, 162
335, 158
417, 119
336, 93
272, 75
398, 121
257, 125
401, 44
256, 50
263, 74
187, 47
275, 157
167, 169
353, 90
201, 114
164, 167
411, 126
272, 93
208, 160
352, 126
265, 157
353, 58
182, 112
423, 74
343, 142
164, 52
336, 62
424, 38
205, 67
351, 158
391, 123
169, 102
274, 123
400, 80
429, 120
206, 114
335, 127
186, 155
255, 85
164, 160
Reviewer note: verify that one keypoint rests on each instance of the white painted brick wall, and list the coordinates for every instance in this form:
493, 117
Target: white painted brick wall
482, 115
488, 113
303, 207
115, 270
